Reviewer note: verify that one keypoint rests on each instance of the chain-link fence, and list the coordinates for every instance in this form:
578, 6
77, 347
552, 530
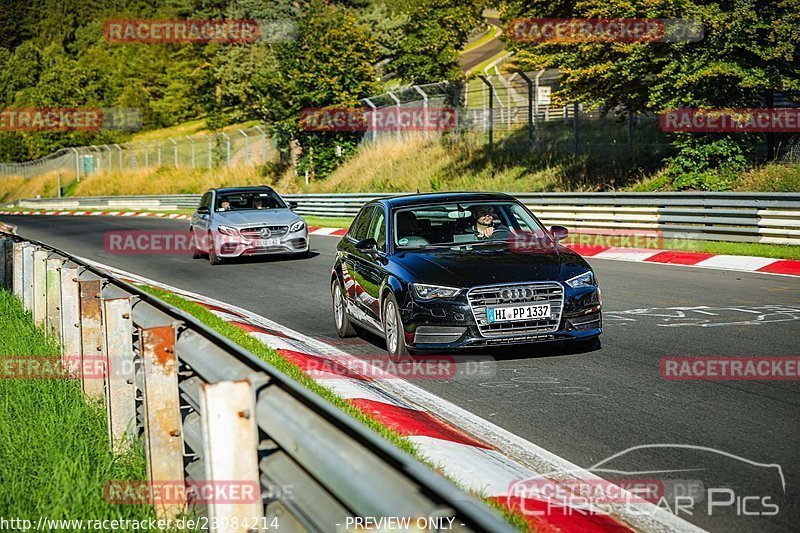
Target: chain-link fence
247, 146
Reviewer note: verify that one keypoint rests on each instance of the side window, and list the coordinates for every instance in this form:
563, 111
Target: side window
360, 226
206, 200
377, 229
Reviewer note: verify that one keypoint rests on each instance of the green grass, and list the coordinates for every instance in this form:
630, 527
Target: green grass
55, 457
328, 222
243, 339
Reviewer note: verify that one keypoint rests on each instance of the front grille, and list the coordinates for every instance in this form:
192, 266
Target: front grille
548, 292
254, 232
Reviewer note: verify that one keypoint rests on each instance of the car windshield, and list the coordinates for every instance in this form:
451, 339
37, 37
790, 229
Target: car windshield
463, 225
248, 201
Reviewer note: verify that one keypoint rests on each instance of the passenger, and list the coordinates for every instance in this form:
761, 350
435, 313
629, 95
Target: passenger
484, 227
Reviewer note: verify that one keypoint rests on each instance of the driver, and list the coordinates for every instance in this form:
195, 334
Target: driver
484, 227
225, 205
258, 203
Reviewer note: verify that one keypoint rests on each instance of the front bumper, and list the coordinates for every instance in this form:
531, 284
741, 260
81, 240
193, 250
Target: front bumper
291, 243
451, 324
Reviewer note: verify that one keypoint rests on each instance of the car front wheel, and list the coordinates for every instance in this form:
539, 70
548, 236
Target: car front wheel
393, 329
344, 328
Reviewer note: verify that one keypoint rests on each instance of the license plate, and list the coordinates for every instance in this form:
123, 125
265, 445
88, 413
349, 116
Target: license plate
517, 312
264, 243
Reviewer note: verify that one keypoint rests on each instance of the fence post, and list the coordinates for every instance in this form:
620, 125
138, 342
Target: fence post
424, 107
91, 337
230, 439
575, 111
372, 118
210, 151
120, 388
263, 144
18, 278
119, 153
174, 150
70, 312
227, 148
53, 276
246, 143
164, 441
529, 83
191, 143
77, 164
630, 128
27, 277
146, 157
488, 83
397, 118
39, 285
158, 154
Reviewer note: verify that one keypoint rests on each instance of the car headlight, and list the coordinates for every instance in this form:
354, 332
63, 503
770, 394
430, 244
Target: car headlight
226, 230
429, 292
587, 278
297, 226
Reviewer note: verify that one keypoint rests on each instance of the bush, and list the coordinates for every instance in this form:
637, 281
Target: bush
706, 163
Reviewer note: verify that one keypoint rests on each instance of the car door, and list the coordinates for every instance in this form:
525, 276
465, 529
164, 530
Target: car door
202, 221
370, 266
353, 283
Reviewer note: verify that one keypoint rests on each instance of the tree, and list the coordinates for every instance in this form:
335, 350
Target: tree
748, 54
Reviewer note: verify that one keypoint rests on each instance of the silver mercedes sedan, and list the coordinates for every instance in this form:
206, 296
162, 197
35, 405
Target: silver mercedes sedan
244, 221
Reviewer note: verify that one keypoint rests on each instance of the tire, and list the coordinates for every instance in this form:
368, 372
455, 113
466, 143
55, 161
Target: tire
393, 329
196, 253
344, 328
213, 258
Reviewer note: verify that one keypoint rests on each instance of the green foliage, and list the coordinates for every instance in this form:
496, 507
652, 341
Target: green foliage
705, 163
749, 53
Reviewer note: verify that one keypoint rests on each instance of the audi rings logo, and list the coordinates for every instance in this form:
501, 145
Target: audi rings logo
265, 233
518, 293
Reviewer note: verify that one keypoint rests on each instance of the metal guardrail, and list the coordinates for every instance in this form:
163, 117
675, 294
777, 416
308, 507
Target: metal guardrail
746, 217
209, 411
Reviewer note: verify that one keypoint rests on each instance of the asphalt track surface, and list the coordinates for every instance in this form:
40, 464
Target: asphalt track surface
489, 49
585, 407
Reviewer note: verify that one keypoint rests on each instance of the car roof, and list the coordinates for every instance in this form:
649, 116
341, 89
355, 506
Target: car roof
411, 200
243, 189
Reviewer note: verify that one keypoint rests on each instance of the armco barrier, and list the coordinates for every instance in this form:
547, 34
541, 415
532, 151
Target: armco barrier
746, 217
211, 412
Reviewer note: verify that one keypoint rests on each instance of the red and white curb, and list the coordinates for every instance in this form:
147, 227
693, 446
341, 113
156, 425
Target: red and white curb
480, 456
143, 214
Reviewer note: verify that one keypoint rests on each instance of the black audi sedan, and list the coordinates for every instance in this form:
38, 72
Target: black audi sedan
456, 270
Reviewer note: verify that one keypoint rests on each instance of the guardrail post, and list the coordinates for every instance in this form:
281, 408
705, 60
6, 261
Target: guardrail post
27, 277
120, 388
39, 285
70, 313
17, 277
53, 282
164, 441
5, 262
91, 337
230, 438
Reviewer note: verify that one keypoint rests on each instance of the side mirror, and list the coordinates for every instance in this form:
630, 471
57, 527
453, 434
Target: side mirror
367, 245
293, 205
203, 210
559, 233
